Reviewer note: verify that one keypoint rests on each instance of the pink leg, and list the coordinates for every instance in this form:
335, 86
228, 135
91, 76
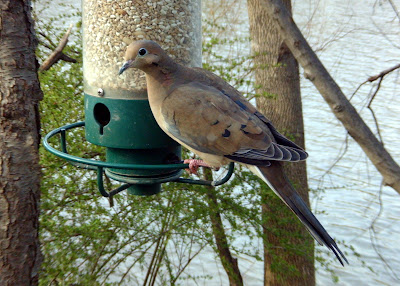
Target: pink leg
195, 164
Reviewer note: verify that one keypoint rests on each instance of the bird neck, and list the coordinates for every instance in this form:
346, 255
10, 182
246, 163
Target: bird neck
165, 74
161, 68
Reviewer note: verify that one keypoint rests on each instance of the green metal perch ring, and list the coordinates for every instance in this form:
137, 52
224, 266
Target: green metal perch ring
101, 165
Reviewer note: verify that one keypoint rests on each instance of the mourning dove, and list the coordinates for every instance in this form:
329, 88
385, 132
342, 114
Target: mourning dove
208, 116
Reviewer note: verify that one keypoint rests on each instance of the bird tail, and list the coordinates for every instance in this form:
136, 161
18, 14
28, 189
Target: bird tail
276, 179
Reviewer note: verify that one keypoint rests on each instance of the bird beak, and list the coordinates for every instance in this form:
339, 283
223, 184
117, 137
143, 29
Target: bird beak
124, 67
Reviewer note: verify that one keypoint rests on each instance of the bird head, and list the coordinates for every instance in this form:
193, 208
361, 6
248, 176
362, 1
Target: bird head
143, 55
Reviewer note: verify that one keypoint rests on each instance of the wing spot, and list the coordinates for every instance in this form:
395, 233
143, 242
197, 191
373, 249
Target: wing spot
242, 127
227, 133
215, 123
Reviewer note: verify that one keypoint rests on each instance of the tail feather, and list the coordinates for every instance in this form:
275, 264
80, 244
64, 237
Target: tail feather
295, 155
276, 179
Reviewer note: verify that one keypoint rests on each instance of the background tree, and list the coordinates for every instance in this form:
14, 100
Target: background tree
19, 141
288, 248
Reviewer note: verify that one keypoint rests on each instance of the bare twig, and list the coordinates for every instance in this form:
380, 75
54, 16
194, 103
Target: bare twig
395, 9
342, 152
373, 236
379, 77
385, 36
58, 54
372, 111
181, 269
357, 89
383, 73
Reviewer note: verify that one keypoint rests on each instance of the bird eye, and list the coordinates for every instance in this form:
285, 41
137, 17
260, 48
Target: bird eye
142, 51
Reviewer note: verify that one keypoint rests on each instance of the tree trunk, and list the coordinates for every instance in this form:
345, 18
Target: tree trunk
289, 253
19, 141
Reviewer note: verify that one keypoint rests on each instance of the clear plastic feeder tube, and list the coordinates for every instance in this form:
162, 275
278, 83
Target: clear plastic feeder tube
109, 26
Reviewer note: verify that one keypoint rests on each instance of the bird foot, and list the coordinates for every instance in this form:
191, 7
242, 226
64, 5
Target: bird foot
194, 165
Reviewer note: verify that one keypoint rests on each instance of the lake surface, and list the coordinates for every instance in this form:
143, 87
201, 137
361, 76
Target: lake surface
354, 39
368, 44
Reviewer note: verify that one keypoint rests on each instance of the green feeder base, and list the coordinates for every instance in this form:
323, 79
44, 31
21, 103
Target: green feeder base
144, 186
144, 190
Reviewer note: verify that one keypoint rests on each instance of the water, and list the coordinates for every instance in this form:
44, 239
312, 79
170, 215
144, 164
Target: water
354, 39
360, 51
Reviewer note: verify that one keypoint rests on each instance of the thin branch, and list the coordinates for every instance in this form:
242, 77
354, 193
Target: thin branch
372, 111
123, 260
395, 9
384, 35
357, 89
379, 76
58, 54
51, 44
383, 73
373, 234
182, 269
229, 262
342, 152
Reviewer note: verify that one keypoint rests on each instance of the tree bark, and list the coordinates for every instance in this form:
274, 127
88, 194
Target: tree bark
277, 74
331, 92
19, 141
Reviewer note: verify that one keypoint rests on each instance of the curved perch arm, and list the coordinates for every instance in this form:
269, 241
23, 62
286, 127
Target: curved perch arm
209, 183
100, 165
100, 185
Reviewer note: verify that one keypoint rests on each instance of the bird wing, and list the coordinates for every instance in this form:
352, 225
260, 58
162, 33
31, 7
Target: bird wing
237, 98
208, 120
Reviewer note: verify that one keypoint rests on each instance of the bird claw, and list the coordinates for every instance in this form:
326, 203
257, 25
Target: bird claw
194, 165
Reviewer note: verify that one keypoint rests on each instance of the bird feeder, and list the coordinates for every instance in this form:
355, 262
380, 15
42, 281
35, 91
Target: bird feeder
117, 113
